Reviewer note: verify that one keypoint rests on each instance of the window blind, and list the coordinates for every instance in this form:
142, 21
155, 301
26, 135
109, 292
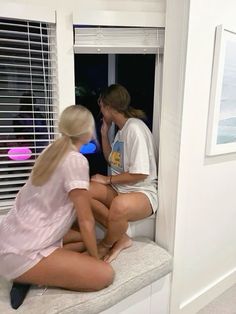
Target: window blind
118, 40
28, 100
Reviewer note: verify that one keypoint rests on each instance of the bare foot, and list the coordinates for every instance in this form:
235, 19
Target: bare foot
120, 245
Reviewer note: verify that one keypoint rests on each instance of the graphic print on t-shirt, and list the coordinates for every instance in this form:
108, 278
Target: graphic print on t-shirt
117, 157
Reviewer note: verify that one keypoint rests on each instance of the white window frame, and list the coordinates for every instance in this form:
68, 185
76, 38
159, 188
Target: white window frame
113, 40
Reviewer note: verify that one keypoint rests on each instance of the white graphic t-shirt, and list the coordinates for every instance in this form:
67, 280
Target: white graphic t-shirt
133, 151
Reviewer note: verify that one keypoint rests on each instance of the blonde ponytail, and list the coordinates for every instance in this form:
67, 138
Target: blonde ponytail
74, 122
47, 162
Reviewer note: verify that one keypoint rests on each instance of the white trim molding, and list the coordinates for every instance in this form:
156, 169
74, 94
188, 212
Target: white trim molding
28, 12
111, 18
209, 293
114, 40
127, 13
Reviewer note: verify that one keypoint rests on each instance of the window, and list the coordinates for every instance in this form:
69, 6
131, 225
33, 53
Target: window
126, 55
91, 76
137, 74
28, 102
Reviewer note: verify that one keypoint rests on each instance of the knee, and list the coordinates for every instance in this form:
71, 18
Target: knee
109, 275
106, 277
93, 189
118, 210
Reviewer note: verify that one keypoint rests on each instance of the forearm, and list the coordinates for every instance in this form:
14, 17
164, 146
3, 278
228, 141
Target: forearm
125, 178
106, 147
87, 230
82, 202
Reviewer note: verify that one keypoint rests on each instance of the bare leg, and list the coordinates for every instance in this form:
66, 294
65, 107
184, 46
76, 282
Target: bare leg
102, 197
101, 215
75, 246
114, 211
117, 227
72, 236
69, 270
101, 212
124, 208
73, 241
124, 243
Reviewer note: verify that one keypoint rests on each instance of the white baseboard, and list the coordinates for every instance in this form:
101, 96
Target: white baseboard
209, 293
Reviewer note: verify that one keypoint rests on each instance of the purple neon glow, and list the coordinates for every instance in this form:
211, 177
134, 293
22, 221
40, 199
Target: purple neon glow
19, 153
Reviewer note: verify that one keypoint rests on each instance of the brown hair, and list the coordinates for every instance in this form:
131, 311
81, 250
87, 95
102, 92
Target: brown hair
117, 97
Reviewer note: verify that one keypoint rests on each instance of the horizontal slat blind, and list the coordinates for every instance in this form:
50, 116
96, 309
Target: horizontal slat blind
28, 100
118, 40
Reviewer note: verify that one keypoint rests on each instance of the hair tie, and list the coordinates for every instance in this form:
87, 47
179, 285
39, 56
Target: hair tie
65, 135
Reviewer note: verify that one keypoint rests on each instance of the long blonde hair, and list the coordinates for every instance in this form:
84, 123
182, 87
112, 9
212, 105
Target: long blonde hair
74, 122
117, 97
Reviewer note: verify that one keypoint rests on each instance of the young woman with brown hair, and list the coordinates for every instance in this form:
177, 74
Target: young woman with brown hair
130, 192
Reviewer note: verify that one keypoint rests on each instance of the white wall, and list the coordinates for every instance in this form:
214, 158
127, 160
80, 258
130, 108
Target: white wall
201, 189
108, 12
120, 12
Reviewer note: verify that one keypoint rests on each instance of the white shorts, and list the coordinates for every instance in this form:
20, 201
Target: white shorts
152, 199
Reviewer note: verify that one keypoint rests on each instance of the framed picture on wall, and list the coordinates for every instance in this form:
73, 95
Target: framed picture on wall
221, 137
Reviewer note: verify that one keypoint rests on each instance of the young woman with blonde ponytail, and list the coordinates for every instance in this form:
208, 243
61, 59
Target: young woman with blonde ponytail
130, 192
56, 193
